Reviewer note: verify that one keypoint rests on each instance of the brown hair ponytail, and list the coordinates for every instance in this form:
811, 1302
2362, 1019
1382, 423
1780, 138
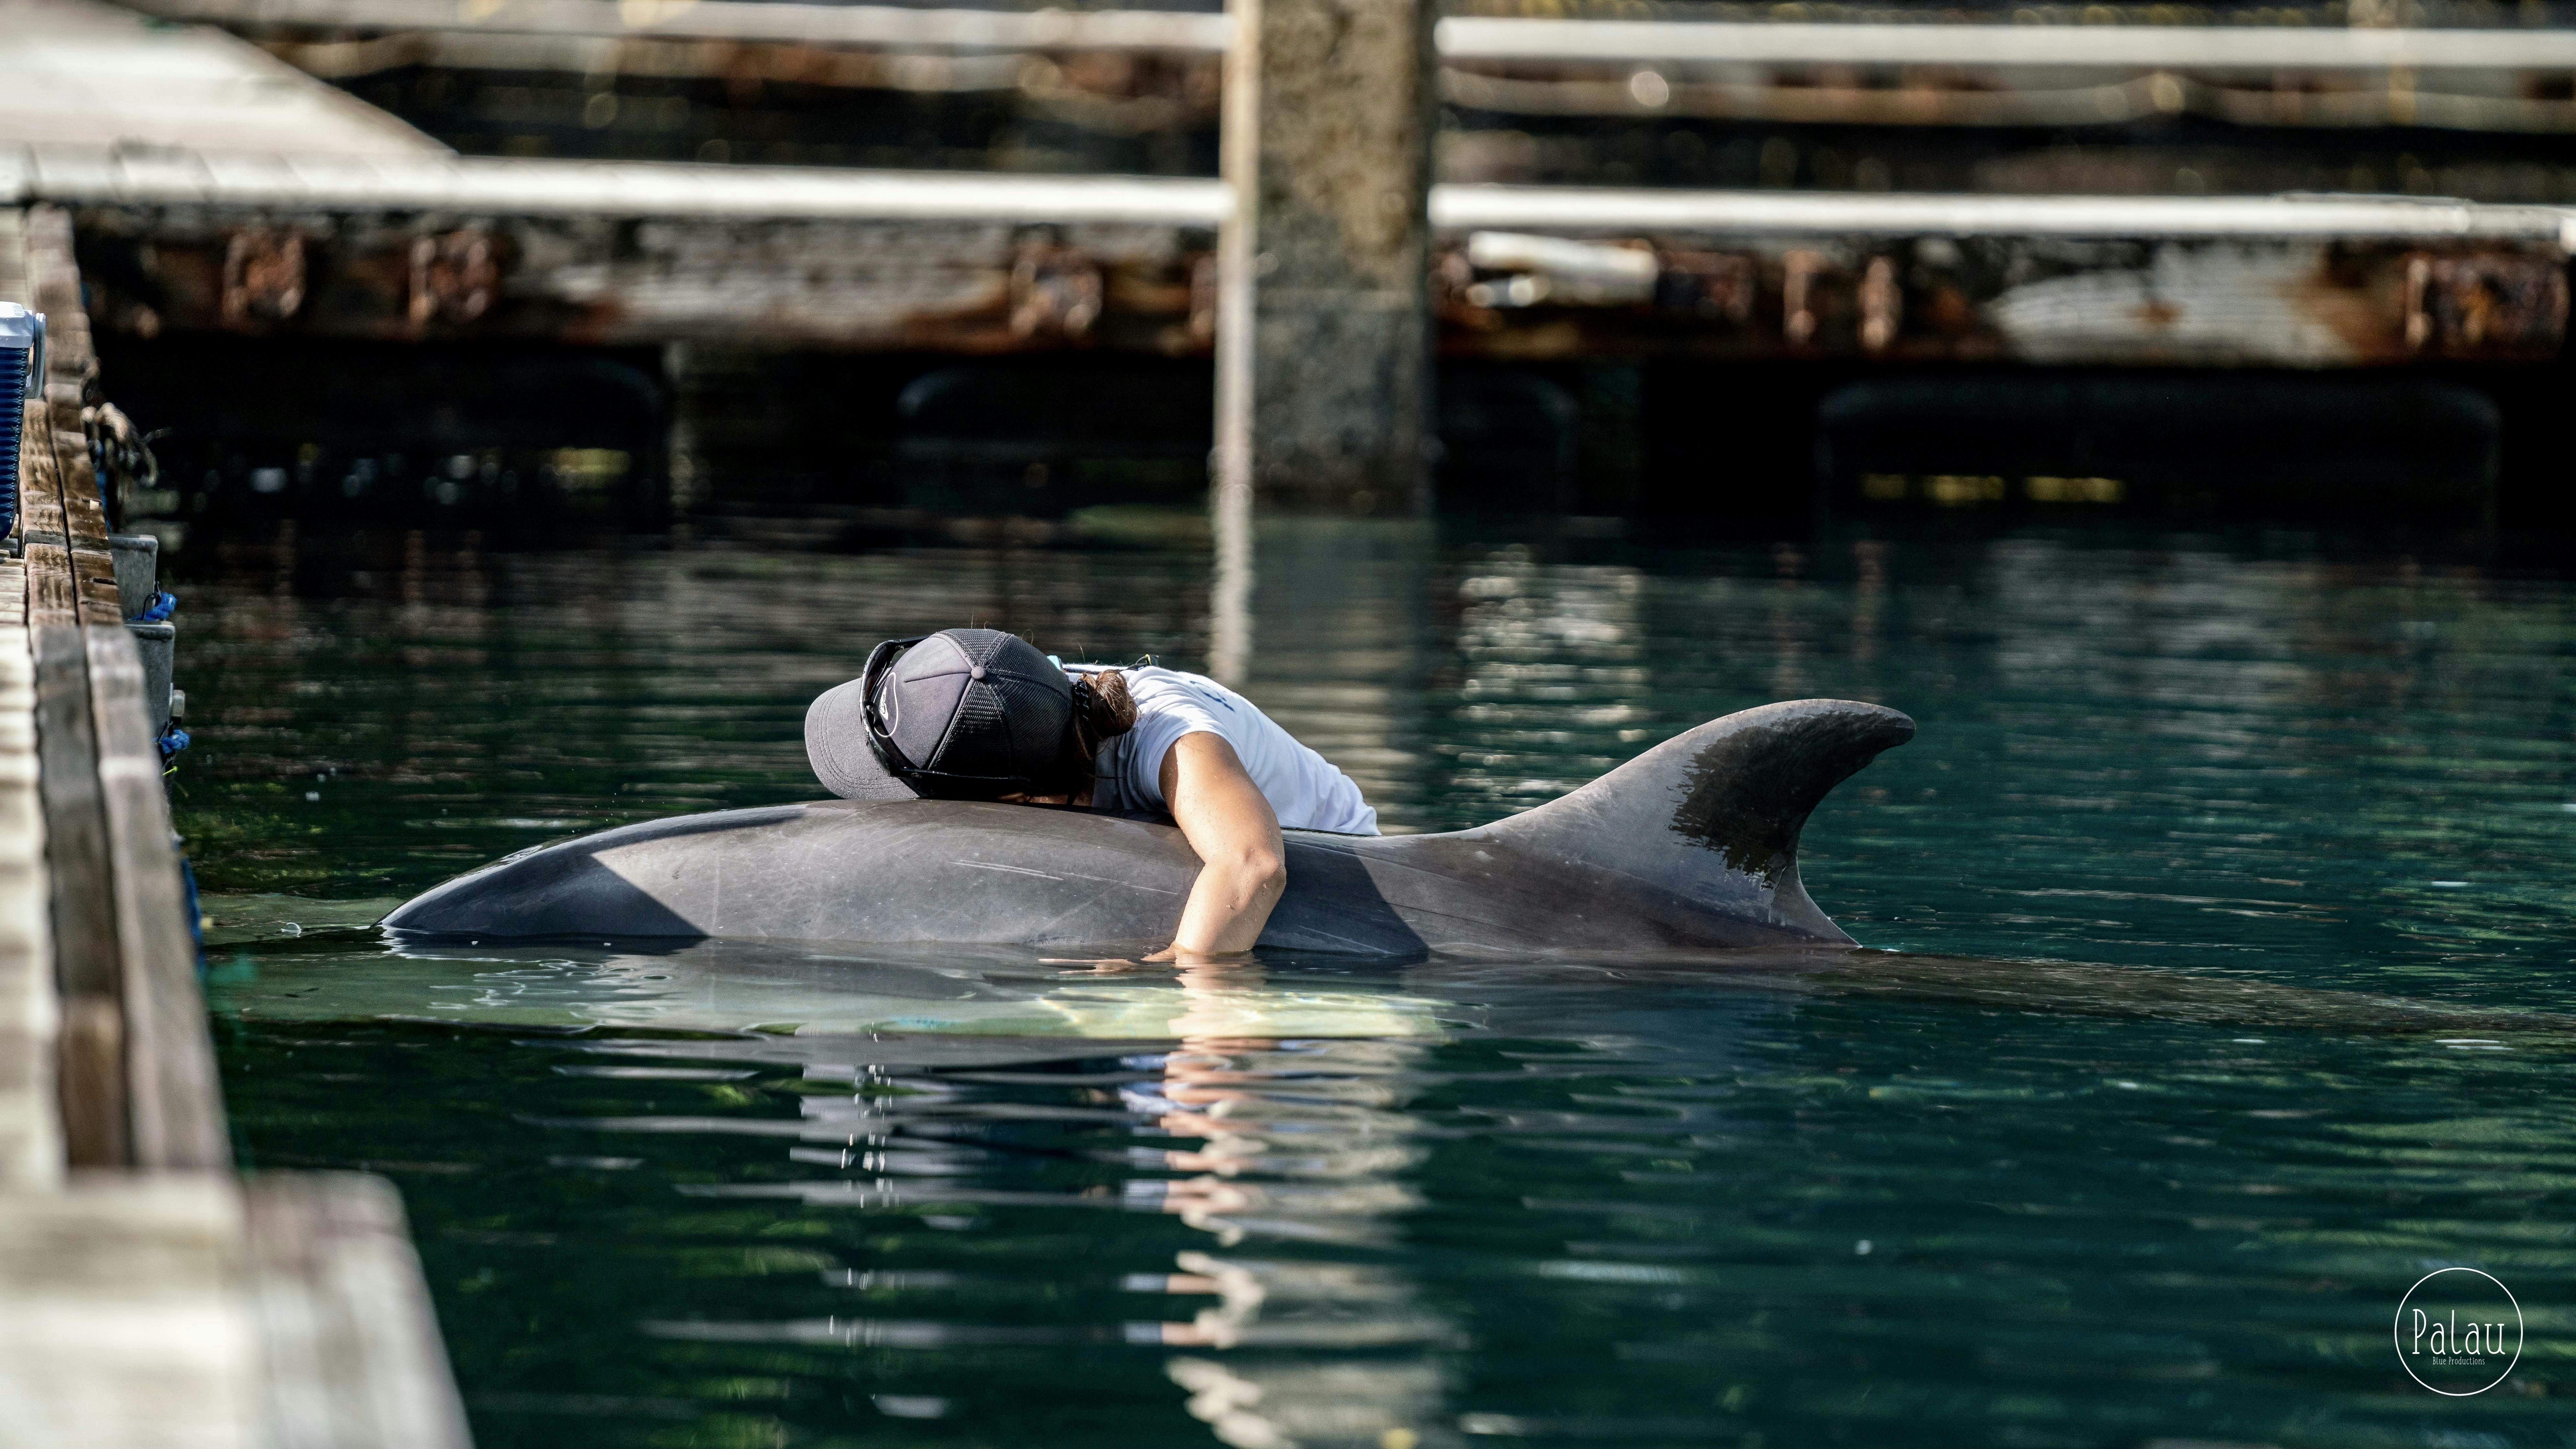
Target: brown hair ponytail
1102, 708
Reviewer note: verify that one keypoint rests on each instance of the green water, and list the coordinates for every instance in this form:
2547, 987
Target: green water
989, 1200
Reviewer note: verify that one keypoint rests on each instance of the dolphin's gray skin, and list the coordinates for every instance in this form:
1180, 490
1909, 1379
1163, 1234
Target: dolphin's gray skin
1693, 844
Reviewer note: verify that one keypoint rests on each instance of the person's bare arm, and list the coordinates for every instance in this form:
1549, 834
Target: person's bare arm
1243, 865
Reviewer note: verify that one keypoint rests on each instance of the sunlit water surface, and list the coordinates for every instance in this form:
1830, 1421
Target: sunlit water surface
757, 1195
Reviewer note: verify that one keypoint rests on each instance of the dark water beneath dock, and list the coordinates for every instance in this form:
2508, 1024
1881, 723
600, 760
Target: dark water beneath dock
1314, 1203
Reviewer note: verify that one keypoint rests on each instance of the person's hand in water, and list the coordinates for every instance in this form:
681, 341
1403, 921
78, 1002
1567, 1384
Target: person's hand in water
1243, 863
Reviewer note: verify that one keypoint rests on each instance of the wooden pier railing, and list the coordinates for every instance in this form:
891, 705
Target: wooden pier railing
148, 1295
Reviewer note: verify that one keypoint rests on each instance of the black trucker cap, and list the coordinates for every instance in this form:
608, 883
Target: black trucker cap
963, 714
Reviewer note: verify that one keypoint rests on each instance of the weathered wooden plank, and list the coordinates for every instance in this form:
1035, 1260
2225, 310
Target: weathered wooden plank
175, 1109
31, 1136
354, 1358
125, 1316
93, 563
88, 968
50, 594
183, 1311
13, 256
80, 72
88, 965
53, 282
89, 1081
85, 963
34, 1043
70, 486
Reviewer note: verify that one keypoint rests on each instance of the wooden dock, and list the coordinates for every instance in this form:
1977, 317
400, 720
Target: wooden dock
149, 1296
83, 74
240, 196
219, 179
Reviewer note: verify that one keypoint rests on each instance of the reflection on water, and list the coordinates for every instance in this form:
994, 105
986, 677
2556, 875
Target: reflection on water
831, 990
1293, 1144
746, 1194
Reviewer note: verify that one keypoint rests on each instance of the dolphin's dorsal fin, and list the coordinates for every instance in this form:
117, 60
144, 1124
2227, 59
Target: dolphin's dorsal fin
1716, 811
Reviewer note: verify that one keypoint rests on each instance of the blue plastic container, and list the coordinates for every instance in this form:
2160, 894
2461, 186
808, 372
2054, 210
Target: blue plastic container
22, 368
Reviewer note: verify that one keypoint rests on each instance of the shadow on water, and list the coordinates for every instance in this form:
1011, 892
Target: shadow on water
1009, 1200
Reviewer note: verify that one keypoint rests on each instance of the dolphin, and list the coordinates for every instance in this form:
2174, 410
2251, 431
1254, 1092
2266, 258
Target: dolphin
1692, 845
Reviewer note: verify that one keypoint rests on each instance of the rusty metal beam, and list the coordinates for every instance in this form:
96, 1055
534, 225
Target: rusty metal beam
638, 253
987, 287
749, 20
1135, 101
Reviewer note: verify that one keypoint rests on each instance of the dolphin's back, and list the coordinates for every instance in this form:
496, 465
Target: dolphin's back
834, 870
1692, 844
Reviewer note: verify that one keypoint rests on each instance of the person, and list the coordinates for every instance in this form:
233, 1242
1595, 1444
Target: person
978, 714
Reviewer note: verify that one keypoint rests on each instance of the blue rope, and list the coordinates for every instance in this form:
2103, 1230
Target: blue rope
196, 913
173, 740
162, 604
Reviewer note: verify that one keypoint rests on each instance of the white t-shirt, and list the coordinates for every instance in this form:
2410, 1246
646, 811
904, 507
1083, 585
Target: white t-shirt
1303, 788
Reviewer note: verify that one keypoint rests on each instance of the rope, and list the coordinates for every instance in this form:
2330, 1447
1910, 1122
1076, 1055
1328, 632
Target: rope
196, 912
162, 604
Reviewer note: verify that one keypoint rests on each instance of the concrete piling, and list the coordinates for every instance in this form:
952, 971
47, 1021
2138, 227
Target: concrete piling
1324, 321
1323, 335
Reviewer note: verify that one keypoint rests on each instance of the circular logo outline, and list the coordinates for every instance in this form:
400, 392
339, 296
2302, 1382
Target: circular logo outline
2397, 1332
